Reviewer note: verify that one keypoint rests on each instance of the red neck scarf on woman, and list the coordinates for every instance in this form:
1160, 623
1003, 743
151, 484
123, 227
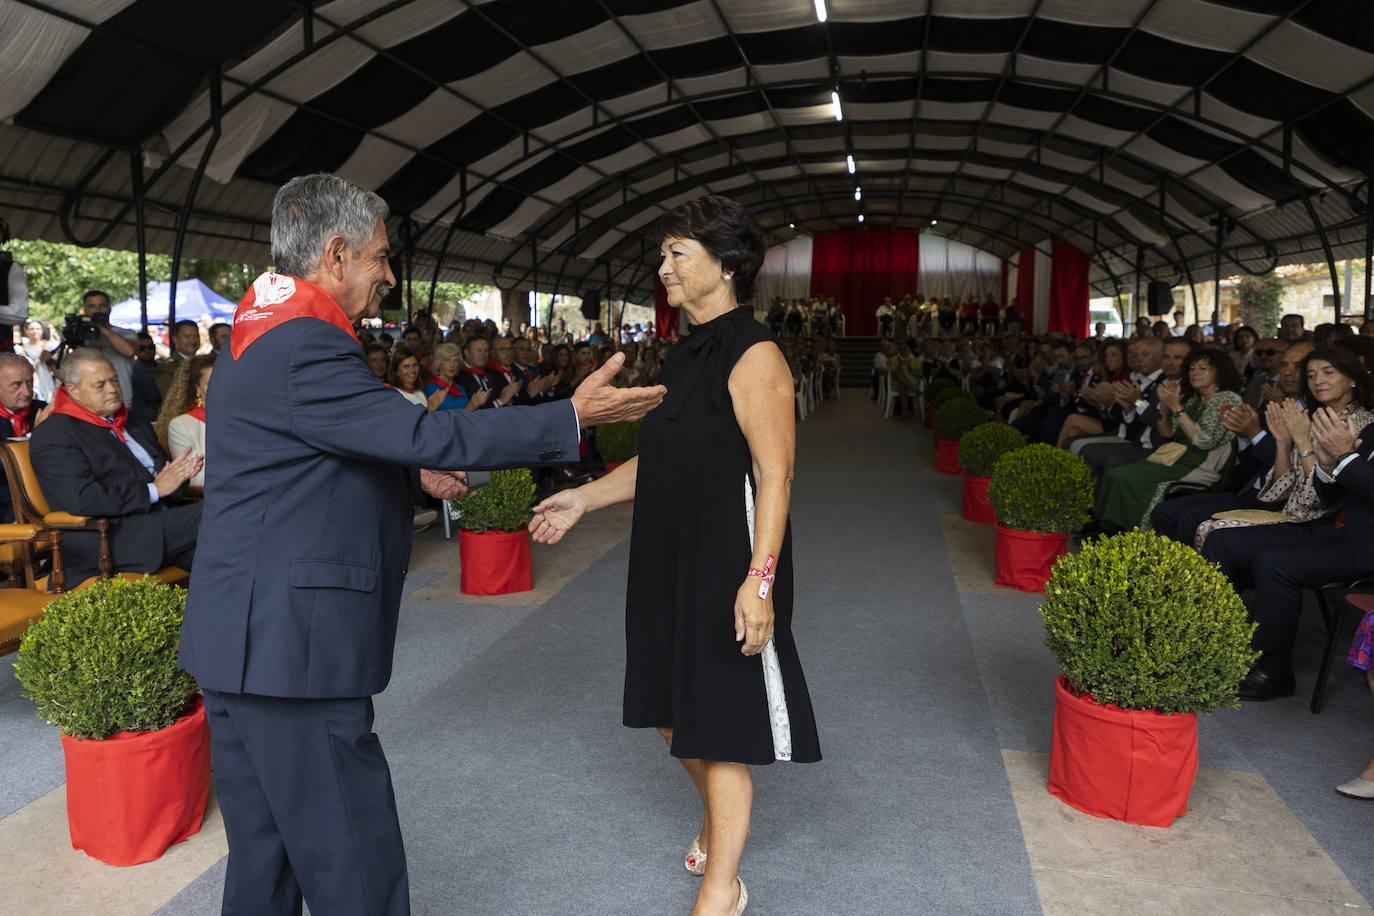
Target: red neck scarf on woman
19, 421
63, 403
451, 387
275, 299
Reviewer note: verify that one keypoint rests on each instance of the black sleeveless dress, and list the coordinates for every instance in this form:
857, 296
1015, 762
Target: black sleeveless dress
690, 551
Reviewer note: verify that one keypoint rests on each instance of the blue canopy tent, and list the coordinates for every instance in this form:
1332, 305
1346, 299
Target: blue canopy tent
195, 301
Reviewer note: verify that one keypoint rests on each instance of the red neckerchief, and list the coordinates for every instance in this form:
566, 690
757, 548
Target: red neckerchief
480, 374
451, 387
494, 366
20, 421
411, 390
198, 413
274, 299
64, 404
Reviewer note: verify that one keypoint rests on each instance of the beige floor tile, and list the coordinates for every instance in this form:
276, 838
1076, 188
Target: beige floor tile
970, 546
46, 877
553, 566
1239, 849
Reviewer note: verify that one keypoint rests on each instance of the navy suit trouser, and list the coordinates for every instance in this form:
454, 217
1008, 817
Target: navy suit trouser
308, 808
1178, 518
1282, 561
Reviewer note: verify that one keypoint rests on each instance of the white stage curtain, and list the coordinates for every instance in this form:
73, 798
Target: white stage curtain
786, 272
950, 268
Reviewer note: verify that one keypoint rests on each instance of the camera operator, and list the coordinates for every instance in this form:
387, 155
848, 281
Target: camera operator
14, 293
93, 328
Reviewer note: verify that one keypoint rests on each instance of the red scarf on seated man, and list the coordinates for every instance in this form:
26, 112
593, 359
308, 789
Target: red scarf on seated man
274, 299
18, 421
62, 403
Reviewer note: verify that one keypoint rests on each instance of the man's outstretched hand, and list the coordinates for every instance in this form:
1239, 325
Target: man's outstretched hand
599, 403
444, 484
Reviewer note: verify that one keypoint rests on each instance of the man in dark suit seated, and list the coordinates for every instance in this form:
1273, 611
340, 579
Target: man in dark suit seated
291, 617
92, 458
20, 412
1283, 560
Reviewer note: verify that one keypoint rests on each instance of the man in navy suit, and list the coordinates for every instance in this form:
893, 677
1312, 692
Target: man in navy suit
291, 617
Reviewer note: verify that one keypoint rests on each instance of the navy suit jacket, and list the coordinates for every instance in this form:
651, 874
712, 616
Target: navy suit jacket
1353, 491
306, 530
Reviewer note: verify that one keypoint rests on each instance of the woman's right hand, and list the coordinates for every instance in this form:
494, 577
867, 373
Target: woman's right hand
1278, 425
436, 399
556, 515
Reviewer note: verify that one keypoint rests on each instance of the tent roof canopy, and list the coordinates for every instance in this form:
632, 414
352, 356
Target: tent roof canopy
536, 143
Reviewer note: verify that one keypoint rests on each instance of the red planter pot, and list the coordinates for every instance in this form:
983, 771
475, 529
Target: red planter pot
947, 456
976, 507
1129, 765
1024, 558
494, 562
929, 417
134, 794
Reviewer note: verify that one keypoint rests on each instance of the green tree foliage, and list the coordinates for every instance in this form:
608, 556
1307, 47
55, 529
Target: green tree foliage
1260, 301
1143, 622
58, 274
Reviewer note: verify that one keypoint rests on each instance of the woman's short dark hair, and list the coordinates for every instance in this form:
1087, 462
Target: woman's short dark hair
1228, 376
727, 231
1347, 363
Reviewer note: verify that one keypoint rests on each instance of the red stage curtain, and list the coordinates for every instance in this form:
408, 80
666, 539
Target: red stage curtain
858, 267
1025, 285
665, 315
1069, 290
1006, 269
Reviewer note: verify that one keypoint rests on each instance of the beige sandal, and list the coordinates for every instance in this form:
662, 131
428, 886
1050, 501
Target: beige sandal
695, 862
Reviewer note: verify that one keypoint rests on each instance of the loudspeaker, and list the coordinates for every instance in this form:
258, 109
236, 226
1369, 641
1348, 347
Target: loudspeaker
591, 304
1161, 298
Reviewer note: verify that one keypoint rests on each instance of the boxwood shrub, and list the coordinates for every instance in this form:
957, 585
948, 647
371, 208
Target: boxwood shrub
981, 446
103, 659
618, 442
1143, 622
936, 385
947, 395
957, 417
505, 504
1041, 488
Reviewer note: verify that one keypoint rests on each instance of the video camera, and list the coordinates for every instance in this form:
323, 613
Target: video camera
83, 330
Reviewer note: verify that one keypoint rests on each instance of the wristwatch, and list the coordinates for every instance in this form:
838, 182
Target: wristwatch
1307, 454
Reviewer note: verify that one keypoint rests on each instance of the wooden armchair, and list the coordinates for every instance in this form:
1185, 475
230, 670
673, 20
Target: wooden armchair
31, 508
21, 606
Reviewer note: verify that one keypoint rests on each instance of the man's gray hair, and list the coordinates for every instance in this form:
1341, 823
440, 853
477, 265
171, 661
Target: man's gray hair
69, 371
14, 359
310, 210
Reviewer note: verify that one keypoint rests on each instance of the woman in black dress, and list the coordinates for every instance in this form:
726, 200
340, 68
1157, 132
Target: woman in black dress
710, 660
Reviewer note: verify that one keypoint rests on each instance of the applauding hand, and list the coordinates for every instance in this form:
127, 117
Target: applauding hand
556, 515
177, 472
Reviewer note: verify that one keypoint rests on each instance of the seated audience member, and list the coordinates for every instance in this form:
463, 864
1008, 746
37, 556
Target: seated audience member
181, 424
377, 360
1264, 378
219, 333
1179, 517
1195, 447
474, 377
147, 400
404, 375
1070, 392
1291, 329
904, 373
1091, 409
1180, 324
35, 348
1361, 658
410, 338
1243, 340
447, 358
91, 458
539, 387
1283, 560
185, 339
20, 412
1054, 382
1332, 378
501, 371
882, 367
1136, 411
1162, 330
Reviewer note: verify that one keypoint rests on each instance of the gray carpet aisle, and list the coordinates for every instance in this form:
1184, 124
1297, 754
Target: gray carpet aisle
520, 793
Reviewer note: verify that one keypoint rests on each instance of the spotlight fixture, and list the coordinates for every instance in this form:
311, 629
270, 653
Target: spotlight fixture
858, 194
792, 225
835, 104
861, 217
849, 161
934, 221
820, 10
